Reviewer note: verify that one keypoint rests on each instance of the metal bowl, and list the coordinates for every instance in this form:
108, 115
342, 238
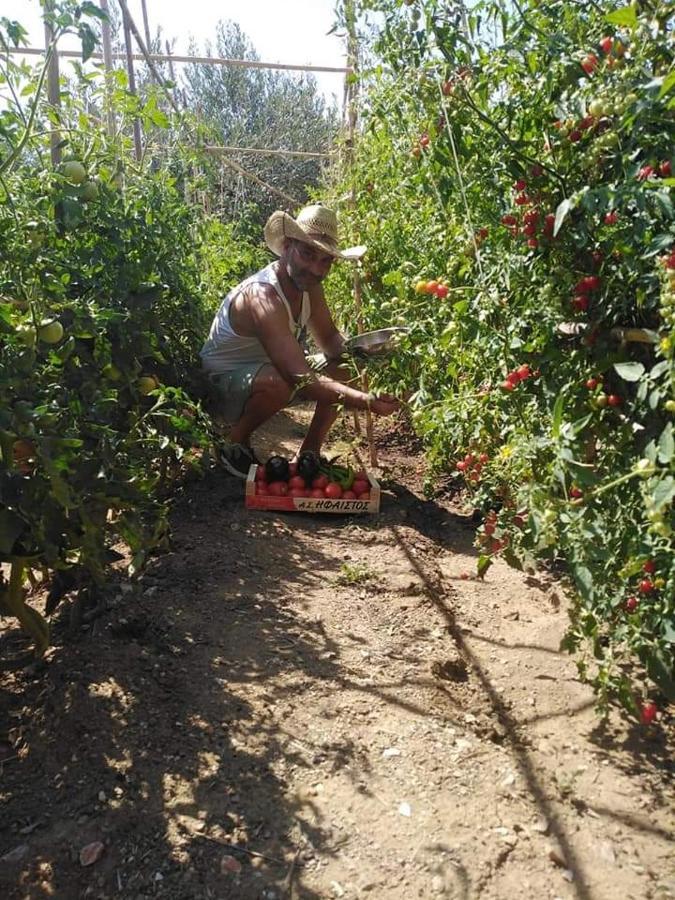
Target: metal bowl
375, 343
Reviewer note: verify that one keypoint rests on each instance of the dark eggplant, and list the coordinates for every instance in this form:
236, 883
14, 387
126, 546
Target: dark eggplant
308, 466
276, 469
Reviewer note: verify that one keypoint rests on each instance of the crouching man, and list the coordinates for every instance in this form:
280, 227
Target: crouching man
254, 353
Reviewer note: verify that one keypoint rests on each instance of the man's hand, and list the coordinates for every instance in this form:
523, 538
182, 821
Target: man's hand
384, 405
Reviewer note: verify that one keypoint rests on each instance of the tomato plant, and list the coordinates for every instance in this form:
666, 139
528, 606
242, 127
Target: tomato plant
545, 208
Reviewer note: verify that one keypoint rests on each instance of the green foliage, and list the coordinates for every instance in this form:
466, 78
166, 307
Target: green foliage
513, 184
108, 280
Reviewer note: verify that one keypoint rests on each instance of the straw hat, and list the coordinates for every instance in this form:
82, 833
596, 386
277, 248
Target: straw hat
315, 225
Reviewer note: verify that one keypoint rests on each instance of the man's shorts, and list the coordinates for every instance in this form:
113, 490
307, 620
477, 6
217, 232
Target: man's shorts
232, 389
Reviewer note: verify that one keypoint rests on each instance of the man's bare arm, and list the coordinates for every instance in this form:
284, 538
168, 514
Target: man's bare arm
271, 326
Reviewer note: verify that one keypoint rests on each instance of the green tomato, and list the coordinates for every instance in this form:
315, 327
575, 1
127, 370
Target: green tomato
670, 406
73, 171
596, 108
50, 332
147, 383
26, 334
89, 191
111, 372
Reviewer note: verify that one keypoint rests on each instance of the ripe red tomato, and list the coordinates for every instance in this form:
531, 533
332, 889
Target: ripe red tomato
260, 474
461, 466
576, 493
580, 303
316, 494
522, 200
442, 291
297, 483
649, 567
360, 486
277, 489
589, 63
646, 586
614, 400
665, 169
349, 495
509, 219
631, 604
424, 140
298, 492
532, 243
575, 135
261, 488
648, 713
320, 482
292, 469
361, 475
483, 458
432, 287
606, 44
520, 185
611, 218
592, 383
364, 496
507, 385
489, 528
332, 491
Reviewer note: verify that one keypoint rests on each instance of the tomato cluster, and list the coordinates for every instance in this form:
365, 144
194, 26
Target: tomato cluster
318, 488
437, 288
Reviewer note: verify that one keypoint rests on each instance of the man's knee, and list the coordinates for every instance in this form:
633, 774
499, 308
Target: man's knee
269, 382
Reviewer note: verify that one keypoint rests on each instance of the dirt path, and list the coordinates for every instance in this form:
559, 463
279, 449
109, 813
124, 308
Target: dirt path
321, 707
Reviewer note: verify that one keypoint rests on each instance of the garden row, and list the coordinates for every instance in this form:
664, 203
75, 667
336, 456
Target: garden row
107, 279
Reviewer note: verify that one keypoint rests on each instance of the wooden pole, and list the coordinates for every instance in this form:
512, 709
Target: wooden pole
352, 96
138, 145
176, 97
53, 87
146, 25
195, 60
144, 51
108, 66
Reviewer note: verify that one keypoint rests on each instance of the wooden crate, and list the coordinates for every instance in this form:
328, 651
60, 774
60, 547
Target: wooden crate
311, 504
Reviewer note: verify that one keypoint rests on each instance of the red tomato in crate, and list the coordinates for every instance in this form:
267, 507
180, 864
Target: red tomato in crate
277, 489
292, 469
364, 496
297, 482
332, 491
360, 486
298, 492
320, 482
260, 474
317, 494
361, 475
349, 495
261, 487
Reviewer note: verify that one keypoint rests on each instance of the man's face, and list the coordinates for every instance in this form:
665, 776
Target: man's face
306, 266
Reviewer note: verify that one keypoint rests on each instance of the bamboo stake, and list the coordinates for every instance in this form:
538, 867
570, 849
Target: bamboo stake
138, 146
144, 51
196, 60
261, 151
53, 88
352, 119
146, 25
108, 65
259, 181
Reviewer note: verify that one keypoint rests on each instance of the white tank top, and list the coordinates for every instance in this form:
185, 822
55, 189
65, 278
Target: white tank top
225, 350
